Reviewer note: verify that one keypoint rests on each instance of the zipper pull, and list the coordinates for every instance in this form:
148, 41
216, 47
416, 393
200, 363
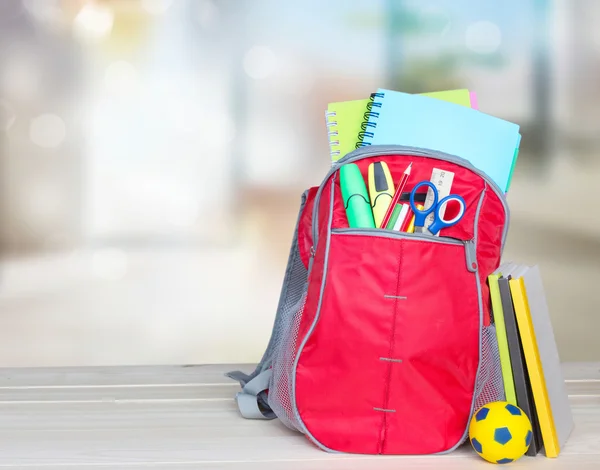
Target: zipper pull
471, 255
312, 257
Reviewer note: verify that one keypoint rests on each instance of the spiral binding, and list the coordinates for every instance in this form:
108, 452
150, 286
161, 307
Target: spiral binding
331, 133
367, 123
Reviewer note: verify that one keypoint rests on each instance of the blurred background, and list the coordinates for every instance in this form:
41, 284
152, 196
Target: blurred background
153, 154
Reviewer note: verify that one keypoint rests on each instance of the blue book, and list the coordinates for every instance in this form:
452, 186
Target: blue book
488, 142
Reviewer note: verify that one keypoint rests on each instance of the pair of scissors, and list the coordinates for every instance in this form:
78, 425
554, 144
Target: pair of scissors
436, 207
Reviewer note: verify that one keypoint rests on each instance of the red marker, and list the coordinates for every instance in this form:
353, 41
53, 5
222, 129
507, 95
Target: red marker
397, 194
407, 219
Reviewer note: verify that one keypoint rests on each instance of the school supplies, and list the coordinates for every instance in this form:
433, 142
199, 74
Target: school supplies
355, 197
381, 189
436, 208
407, 219
408, 225
411, 225
519, 367
394, 217
345, 118
442, 180
486, 141
401, 217
542, 359
398, 193
503, 349
418, 197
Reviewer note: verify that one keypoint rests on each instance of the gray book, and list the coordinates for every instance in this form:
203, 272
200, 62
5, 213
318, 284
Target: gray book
548, 352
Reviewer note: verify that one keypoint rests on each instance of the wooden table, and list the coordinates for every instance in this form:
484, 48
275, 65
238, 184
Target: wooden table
184, 417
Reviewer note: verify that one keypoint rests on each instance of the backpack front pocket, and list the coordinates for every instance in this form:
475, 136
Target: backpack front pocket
391, 361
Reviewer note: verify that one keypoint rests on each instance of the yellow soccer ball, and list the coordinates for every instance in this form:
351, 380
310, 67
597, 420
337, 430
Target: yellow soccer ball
500, 432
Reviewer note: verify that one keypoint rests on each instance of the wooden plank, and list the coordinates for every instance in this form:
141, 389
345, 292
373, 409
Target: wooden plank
581, 371
169, 374
583, 388
154, 393
194, 392
462, 462
172, 382
118, 393
126, 375
178, 374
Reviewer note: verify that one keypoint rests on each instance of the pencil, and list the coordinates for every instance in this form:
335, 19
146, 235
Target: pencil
397, 194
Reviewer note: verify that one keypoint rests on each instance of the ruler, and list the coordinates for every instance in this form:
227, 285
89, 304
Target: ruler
442, 180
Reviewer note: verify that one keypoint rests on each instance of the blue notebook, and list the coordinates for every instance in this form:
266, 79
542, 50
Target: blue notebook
488, 142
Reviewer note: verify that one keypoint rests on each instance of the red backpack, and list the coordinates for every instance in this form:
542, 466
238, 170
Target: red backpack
383, 341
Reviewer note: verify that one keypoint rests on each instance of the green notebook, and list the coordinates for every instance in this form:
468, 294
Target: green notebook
501, 336
344, 119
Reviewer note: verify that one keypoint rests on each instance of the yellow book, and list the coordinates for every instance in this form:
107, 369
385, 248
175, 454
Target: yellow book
534, 365
503, 349
345, 118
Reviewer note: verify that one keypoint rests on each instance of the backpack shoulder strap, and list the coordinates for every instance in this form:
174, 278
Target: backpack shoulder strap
252, 400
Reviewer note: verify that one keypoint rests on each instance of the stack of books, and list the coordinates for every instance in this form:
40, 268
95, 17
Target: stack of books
531, 369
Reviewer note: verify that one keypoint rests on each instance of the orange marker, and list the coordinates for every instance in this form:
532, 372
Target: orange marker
411, 226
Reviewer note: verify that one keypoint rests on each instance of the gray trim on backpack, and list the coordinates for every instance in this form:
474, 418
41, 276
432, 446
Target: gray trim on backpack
303, 427
384, 150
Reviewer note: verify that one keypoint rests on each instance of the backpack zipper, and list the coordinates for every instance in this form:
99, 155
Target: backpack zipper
469, 245
375, 150
311, 259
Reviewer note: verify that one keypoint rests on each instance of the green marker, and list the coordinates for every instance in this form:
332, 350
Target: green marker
394, 217
355, 196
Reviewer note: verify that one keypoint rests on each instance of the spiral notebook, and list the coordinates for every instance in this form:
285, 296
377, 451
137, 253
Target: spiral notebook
345, 119
488, 142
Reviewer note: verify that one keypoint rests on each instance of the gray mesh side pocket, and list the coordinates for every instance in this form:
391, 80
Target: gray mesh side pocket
281, 390
490, 385
285, 338
285, 335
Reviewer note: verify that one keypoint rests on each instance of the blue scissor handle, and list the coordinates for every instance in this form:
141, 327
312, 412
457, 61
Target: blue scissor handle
438, 222
421, 214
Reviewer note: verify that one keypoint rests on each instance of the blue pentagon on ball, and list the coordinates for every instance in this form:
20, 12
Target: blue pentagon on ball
513, 410
482, 414
502, 436
477, 445
528, 438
